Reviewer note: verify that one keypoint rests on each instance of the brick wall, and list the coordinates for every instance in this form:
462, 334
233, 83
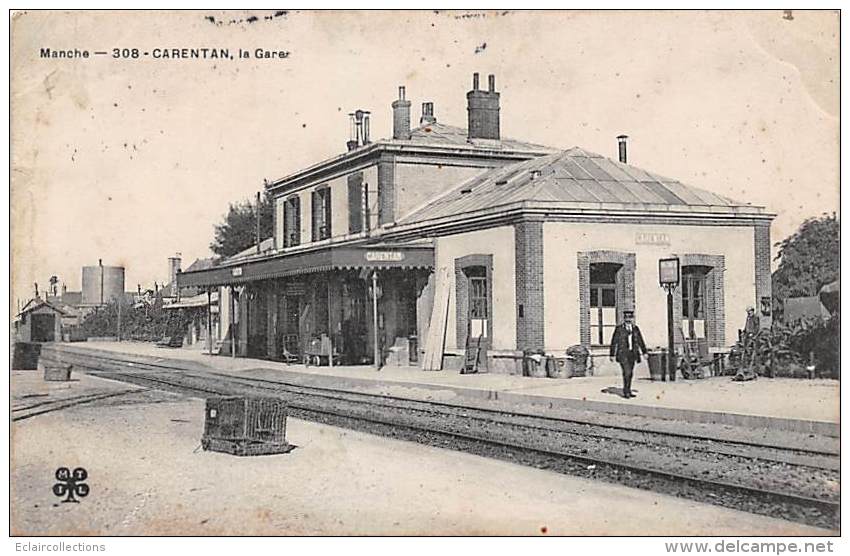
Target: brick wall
386, 190
762, 270
530, 320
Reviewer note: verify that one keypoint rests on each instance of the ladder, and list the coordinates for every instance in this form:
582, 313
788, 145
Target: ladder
472, 356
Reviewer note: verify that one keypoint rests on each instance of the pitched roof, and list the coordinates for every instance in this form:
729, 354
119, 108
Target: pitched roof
440, 134
251, 252
571, 178
37, 303
428, 136
201, 264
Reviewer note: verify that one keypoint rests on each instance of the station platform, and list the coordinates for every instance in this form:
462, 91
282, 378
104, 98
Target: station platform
150, 476
779, 404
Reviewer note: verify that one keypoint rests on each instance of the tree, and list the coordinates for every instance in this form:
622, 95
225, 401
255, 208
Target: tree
809, 258
238, 231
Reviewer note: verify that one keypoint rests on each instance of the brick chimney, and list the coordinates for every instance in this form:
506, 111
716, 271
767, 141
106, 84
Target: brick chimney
621, 147
401, 116
427, 114
483, 110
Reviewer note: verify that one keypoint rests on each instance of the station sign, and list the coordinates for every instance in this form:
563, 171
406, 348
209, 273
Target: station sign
652, 238
384, 256
237, 271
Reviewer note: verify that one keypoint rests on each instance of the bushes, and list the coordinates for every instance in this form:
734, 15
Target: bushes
793, 342
145, 322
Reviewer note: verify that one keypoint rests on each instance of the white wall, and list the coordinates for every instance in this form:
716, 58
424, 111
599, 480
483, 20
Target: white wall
306, 215
223, 311
339, 206
498, 242
562, 241
279, 230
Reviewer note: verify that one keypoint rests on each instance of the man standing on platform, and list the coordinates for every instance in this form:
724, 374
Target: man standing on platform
626, 347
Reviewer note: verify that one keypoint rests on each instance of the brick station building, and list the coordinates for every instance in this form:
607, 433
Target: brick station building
529, 248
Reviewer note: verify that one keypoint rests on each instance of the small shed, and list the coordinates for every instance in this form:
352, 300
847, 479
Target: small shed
39, 321
797, 308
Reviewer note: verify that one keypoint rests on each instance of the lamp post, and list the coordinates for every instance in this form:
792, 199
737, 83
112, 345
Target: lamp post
668, 278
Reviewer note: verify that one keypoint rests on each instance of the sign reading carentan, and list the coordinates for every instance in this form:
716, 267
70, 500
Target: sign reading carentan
384, 256
652, 238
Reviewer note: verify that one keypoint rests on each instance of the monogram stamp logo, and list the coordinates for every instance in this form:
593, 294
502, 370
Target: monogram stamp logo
71, 484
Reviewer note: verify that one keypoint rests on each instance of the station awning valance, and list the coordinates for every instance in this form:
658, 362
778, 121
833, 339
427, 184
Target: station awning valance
327, 259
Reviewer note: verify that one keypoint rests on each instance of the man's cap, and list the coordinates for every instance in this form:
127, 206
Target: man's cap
628, 311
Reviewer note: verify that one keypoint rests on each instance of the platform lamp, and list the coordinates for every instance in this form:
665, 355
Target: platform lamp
668, 277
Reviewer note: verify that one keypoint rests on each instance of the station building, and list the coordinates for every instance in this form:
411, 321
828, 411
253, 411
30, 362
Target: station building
468, 236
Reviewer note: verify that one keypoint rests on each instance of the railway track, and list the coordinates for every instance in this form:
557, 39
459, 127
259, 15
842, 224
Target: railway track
798, 485
823, 459
103, 362
21, 412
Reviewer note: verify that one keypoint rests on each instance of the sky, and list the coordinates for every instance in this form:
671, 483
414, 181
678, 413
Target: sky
131, 160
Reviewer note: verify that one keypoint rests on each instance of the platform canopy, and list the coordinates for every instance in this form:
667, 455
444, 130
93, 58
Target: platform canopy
375, 256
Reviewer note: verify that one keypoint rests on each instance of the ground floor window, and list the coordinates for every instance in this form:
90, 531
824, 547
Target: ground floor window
606, 281
479, 313
603, 301
699, 304
694, 300
474, 299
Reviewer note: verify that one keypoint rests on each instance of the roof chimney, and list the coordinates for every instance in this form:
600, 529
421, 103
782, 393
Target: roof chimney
427, 114
483, 110
365, 128
621, 142
401, 116
359, 130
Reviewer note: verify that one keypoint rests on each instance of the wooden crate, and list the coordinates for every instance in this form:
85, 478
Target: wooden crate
245, 426
25, 356
56, 373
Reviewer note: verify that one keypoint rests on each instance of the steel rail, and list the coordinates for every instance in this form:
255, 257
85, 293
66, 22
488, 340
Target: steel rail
519, 414
803, 509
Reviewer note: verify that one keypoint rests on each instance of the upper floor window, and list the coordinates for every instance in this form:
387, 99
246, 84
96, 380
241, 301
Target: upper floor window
292, 222
321, 201
356, 198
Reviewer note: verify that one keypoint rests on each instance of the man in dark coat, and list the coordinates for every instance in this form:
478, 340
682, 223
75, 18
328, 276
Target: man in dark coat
626, 347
